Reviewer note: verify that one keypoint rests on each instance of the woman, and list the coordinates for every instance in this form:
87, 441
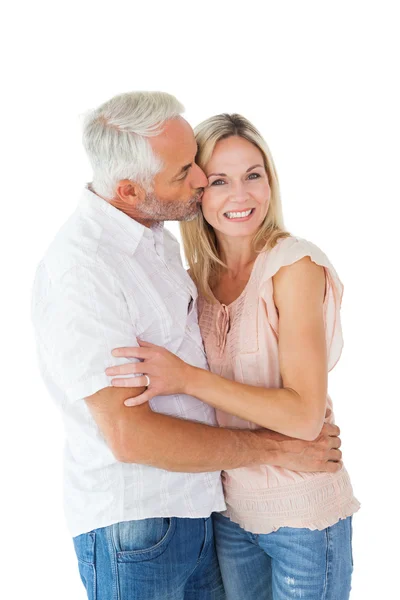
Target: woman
269, 316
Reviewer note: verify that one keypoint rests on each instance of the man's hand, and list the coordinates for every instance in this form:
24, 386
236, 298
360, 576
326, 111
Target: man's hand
322, 454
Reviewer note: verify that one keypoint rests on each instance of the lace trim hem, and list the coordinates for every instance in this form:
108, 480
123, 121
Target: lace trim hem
306, 504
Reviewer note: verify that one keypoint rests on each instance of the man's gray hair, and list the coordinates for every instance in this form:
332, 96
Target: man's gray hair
115, 138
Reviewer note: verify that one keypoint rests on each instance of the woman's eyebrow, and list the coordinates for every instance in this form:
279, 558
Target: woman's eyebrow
253, 167
224, 174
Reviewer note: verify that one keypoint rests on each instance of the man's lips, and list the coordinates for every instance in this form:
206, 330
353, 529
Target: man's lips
196, 199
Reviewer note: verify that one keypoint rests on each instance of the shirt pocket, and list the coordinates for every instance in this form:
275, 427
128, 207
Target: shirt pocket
248, 357
248, 332
249, 368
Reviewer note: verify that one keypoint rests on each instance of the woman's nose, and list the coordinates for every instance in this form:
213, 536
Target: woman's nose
238, 193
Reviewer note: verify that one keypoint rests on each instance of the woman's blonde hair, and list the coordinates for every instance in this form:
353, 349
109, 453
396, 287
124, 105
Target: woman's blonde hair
199, 239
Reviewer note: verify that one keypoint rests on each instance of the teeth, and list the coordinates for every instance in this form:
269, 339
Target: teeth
238, 215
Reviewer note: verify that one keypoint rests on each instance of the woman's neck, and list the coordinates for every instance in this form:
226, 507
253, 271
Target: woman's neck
237, 253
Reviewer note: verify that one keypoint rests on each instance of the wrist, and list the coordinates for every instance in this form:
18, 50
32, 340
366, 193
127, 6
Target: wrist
188, 379
265, 448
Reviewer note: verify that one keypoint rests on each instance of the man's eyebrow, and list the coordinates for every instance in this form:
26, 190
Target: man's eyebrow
224, 174
183, 169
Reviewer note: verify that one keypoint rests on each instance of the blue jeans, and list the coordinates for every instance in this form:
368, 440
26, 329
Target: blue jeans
288, 563
150, 559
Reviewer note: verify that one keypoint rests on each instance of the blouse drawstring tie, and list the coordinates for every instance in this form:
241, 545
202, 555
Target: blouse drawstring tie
222, 326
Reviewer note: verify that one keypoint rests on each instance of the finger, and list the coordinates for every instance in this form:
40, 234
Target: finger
129, 382
330, 429
144, 344
141, 399
335, 455
335, 442
333, 467
126, 369
131, 352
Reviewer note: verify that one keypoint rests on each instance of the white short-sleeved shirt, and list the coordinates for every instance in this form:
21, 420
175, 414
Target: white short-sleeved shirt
104, 281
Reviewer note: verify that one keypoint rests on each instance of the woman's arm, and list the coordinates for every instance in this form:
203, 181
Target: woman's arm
297, 409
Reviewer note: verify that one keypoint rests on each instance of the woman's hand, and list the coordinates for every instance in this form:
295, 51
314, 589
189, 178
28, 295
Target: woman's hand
166, 373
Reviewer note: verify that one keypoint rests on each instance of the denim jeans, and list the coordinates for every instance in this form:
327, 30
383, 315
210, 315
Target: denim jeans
150, 559
288, 563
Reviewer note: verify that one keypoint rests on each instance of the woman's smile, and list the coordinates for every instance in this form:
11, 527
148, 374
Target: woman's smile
239, 216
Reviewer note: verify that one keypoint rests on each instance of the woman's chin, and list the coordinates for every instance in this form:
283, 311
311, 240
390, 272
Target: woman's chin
238, 229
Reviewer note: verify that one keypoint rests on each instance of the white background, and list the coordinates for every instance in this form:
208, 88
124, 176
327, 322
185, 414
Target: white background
320, 80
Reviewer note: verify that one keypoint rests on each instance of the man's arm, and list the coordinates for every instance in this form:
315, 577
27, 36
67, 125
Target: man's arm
139, 435
75, 314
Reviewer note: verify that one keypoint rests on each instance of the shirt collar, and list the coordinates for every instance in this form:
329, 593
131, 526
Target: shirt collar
156, 236
125, 232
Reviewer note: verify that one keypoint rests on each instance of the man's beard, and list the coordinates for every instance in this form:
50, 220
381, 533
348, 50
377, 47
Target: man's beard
153, 209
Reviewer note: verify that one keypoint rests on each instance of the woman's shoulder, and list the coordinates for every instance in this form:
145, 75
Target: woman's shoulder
290, 250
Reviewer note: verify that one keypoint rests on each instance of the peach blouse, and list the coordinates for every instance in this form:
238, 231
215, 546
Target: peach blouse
241, 342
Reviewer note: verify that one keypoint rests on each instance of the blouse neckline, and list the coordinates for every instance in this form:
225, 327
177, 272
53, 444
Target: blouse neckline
244, 290
225, 312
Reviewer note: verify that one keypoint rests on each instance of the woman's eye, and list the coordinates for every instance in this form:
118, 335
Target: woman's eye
217, 182
254, 176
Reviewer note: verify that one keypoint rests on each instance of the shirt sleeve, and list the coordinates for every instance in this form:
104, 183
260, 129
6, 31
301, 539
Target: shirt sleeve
78, 320
287, 252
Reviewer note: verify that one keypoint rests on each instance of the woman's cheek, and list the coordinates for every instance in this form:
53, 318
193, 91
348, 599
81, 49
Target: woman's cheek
210, 216
210, 206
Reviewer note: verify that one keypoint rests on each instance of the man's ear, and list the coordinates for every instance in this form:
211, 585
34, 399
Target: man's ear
129, 192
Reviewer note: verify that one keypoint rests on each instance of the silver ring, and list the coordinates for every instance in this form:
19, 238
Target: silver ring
148, 380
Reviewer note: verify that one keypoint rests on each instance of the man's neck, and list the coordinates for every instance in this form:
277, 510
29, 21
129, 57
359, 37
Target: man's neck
126, 209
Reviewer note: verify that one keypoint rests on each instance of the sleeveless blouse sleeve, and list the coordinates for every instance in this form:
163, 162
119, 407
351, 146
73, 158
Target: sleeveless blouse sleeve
286, 252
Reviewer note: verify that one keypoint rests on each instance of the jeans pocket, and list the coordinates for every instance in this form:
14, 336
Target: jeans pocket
85, 551
144, 539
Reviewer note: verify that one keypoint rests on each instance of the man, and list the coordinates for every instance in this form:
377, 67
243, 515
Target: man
140, 483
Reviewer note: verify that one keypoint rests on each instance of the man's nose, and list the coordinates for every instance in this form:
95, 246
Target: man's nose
199, 178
